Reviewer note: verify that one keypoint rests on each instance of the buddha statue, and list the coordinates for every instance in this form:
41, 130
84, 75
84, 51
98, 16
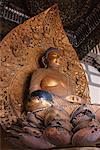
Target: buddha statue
45, 98
40, 107
48, 122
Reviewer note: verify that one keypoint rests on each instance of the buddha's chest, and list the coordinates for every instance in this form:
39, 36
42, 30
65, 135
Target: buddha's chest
54, 81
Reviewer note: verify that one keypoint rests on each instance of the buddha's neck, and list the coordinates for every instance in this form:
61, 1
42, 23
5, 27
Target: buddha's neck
54, 68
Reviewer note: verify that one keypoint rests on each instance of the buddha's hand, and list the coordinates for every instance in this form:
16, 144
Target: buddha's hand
58, 127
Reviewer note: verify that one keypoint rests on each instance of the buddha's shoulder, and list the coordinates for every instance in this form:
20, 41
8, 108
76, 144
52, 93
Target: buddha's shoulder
45, 70
48, 71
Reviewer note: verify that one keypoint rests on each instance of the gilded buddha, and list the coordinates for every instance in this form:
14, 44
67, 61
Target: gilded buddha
47, 120
51, 109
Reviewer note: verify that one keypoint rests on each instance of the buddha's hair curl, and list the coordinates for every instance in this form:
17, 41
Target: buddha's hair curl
43, 61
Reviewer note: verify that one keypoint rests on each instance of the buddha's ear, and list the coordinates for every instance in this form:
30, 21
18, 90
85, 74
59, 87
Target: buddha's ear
43, 61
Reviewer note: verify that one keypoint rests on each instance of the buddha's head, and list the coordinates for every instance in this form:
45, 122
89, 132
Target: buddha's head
52, 58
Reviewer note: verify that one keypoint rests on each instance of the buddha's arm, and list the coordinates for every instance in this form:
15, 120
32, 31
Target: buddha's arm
36, 80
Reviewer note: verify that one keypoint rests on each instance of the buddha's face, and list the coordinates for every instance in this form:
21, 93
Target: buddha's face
54, 59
